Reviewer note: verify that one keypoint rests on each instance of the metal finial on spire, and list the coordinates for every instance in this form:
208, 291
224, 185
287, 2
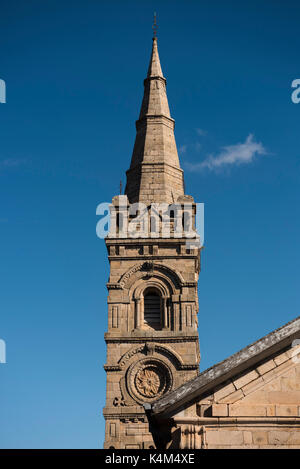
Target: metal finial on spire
121, 187
154, 26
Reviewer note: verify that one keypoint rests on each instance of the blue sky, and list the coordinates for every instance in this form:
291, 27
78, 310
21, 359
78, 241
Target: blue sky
74, 74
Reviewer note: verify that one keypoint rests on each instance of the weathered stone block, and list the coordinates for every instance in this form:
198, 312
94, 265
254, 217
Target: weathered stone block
224, 391
286, 410
260, 438
265, 367
245, 379
219, 410
224, 437
242, 410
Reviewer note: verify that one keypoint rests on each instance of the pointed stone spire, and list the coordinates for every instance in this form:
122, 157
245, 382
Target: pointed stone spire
155, 101
155, 174
154, 69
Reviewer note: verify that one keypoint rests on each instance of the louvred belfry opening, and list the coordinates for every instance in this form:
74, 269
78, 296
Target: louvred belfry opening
152, 309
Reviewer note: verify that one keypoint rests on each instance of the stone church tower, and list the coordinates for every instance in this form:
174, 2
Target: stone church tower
152, 339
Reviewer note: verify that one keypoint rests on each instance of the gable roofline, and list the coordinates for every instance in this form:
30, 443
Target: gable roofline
224, 370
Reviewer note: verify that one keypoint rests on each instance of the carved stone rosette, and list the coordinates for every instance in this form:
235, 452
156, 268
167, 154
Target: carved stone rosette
148, 379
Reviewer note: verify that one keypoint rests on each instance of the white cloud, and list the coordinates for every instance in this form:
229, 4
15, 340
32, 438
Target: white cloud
201, 132
192, 146
241, 153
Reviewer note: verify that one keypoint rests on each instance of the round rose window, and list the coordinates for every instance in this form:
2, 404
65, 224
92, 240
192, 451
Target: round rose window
149, 379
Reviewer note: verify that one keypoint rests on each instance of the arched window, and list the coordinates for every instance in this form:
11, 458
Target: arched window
154, 226
186, 222
172, 215
119, 221
152, 309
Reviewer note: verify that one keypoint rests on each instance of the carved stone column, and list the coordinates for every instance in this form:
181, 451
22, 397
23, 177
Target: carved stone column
165, 313
191, 436
138, 312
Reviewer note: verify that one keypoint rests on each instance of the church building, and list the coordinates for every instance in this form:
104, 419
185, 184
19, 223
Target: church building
156, 396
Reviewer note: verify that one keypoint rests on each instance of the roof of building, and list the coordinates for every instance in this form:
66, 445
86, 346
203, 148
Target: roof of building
221, 372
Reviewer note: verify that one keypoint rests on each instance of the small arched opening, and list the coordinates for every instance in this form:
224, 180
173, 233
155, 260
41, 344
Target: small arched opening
152, 309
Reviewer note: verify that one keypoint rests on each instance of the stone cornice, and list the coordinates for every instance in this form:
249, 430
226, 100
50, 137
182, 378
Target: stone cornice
114, 286
155, 119
155, 77
155, 163
150, 257
124, 417
112, 367
130, 339
148, 241
236, 420
111, 241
